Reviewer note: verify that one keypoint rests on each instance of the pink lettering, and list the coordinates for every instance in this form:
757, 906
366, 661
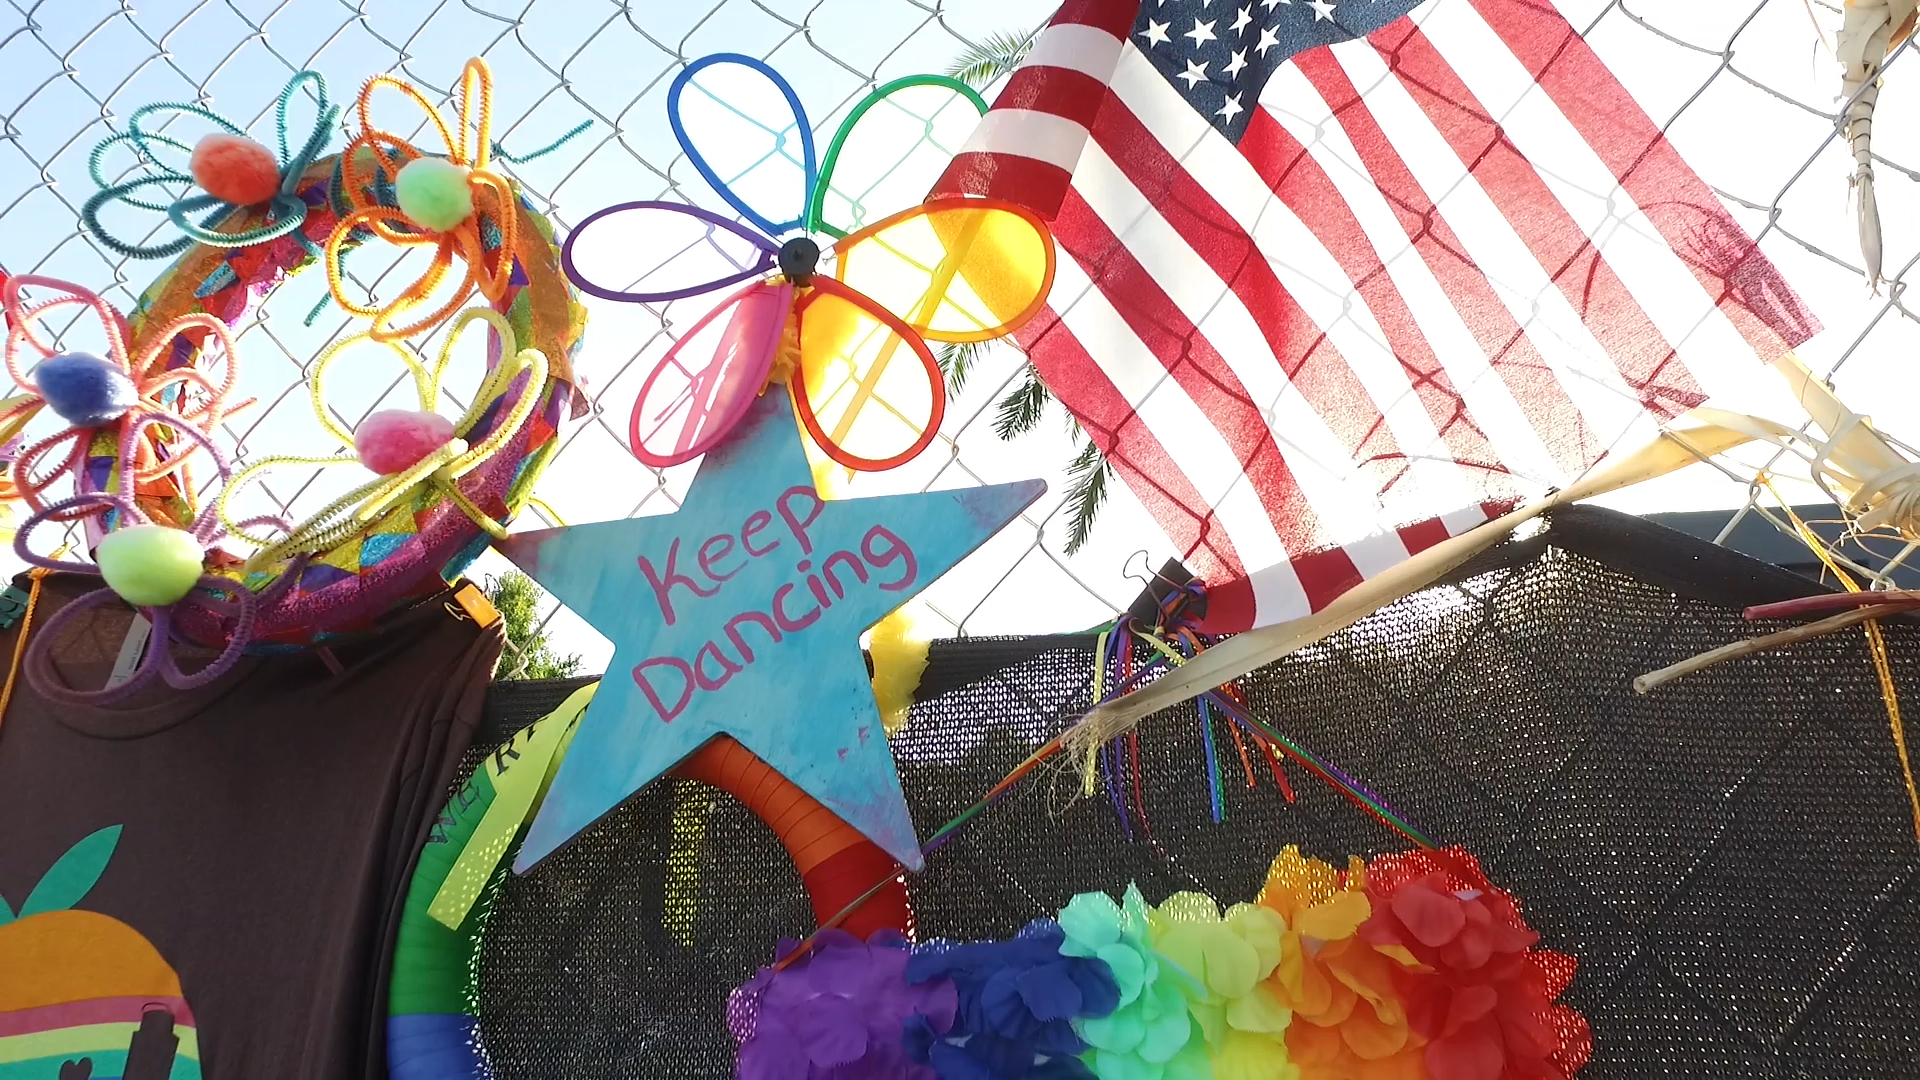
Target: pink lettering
794, 525
756, 521
667, 713
896, 551
709, 555
728, 669
788, 622
663, 586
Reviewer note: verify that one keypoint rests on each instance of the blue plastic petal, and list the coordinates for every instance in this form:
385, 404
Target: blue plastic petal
952, 1062
1050, 991
785, 212
1099, 991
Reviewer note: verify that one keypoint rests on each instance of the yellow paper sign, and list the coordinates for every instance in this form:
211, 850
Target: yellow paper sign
518, 772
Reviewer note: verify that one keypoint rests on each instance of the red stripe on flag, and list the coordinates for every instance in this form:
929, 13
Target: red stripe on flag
1306, 356
1026, 181
1196, 366
1132, 447
1422, 535
1727, 262
1306, 189
1230, 605
1064, 92
1545, 402
1645, 357
1116, 17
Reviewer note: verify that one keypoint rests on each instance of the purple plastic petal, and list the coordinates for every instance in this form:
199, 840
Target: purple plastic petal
937, 1001
632, 252
770, 1055
833, 1029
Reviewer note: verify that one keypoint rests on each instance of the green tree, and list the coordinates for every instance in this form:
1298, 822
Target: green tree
1021, 410
528, 656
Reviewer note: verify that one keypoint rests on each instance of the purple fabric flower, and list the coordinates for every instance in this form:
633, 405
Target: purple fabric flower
1017, 1001
839, 1013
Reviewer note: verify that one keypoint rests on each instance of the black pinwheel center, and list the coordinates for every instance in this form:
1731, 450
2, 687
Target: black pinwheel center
798, 259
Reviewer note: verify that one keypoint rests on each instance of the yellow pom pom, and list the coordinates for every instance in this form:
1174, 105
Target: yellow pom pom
899, 650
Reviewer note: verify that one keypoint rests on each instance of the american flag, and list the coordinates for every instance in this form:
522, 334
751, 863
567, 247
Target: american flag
1340, 279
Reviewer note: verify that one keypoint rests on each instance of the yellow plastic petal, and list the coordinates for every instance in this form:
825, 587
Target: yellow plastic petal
1260, 1009
1243, 1055
1335, 918
954, 269
1261, 928
870, 395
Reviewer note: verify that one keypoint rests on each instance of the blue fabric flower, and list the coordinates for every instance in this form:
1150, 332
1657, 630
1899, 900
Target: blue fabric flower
1017, 1003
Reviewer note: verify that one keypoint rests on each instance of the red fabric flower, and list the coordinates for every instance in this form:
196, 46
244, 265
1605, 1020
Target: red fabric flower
1475, 989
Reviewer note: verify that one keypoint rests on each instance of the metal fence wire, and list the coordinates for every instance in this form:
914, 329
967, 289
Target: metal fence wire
1744, 90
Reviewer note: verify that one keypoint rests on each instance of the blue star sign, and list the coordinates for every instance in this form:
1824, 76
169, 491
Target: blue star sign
740, 614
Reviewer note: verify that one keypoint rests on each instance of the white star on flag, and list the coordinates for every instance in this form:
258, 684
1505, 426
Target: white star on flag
1156, 33
1195, 73
1239, 61
1231, 109
1322, 9
1202, 32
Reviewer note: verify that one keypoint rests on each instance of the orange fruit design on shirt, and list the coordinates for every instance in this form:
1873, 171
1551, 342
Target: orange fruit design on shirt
84, 996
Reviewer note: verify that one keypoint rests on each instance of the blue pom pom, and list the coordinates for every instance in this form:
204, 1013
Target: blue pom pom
85, 390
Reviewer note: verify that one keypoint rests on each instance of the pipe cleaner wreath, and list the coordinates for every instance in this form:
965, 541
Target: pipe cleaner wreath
442, 487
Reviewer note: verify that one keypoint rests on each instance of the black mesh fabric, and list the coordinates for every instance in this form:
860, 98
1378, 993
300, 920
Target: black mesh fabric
1731, 858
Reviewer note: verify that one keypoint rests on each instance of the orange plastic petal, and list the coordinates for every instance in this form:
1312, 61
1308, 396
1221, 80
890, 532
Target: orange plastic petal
867, 406
956, 269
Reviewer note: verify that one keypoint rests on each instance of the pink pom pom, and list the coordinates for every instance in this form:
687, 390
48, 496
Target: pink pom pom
394, 440
235, 169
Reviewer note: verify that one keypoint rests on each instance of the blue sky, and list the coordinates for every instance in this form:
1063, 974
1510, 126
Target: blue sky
1755, 132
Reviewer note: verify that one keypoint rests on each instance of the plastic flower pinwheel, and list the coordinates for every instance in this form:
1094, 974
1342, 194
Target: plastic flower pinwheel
950, 269
237, 177
456, 205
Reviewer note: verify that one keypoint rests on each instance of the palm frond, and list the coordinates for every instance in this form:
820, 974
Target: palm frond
957, 360
1086, 493
1020, 411
991, 57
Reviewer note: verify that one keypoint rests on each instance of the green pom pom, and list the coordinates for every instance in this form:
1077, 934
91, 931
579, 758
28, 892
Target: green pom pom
149, 565
434, 193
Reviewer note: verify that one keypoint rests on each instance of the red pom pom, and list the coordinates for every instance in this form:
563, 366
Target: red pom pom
235, 169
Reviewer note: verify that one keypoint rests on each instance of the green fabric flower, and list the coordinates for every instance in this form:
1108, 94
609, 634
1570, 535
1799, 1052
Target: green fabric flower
1152, 1035
1226, 962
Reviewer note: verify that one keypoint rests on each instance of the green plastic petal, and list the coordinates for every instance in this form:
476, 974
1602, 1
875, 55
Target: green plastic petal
1129, 969
1190, 1064
1108, 1065
1167, 1035
1091, 920
1119, 1031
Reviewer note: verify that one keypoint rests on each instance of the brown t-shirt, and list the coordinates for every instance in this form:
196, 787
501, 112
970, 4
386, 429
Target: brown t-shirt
208, 882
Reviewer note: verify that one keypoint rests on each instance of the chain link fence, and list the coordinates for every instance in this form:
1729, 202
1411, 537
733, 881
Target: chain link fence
1744, 91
